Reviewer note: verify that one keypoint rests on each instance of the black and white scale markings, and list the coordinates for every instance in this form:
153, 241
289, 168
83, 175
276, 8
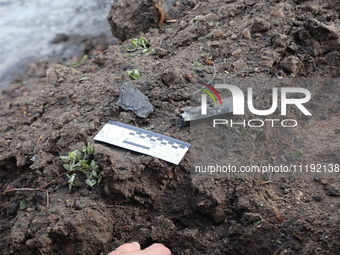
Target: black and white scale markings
143, 141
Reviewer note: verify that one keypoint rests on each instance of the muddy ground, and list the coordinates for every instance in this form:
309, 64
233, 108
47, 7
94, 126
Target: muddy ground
148, 200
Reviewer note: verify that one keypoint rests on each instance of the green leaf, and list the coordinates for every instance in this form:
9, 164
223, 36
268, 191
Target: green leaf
193, 20
93, 164
91, 182
197, 63
84, 58
71, 180
72, 156
77, 154
100, 178
143, 42
89, 149
67, 167
85, 165
65, 159
134, 43
130, 48
145, 51
94, 173
297, 154
134, 74
256, 223
78, 165
23, 204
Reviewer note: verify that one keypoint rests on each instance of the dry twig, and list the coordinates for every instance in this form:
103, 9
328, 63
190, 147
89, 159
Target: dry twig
42, 188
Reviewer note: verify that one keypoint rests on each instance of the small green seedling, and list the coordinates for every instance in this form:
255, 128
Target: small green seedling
297, 154
143, 42
214, 24
75, 64
145, 51
257, 223
82, 161
193, 20
197, 62
134, 74
84, 58
140, 44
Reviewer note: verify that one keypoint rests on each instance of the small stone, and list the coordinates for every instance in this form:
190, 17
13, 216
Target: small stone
233, 36
267, 63
210, 17
317, 198
236, 52
333, 190
160, 52
291, 64
280, 41
279, 15
252, 217
260, 25
293, 47
246, 34
131, 99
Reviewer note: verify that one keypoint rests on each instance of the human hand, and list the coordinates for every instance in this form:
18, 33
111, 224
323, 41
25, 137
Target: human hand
134, 249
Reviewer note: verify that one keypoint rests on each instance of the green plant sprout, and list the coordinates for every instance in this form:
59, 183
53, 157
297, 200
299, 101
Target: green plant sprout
193, 20
75, 64
134, 74
297, 154
213, 24
142, 41
197, 62
82, 160
140, 44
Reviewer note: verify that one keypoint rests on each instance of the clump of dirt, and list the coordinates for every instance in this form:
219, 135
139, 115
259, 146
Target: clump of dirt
128, 19
148, 200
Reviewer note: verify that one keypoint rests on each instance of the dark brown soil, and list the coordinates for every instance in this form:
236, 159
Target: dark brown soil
148, 200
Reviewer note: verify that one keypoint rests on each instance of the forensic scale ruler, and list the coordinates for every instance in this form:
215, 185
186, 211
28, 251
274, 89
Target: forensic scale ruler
143, 141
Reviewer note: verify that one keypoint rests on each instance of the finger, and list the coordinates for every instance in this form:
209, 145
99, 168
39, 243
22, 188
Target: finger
128, 247
156, 249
